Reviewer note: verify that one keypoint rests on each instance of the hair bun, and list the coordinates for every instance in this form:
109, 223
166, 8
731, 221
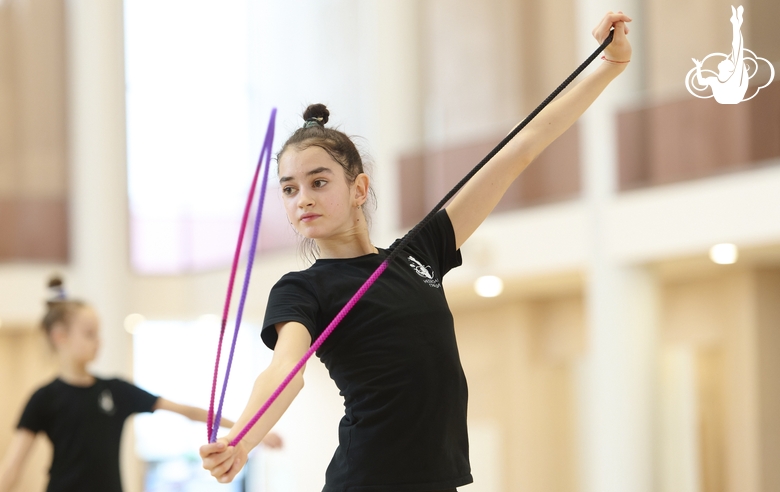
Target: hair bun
317, 112
55, 281
57, 289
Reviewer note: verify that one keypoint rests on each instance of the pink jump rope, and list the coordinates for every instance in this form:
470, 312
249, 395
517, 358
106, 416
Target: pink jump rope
265, 153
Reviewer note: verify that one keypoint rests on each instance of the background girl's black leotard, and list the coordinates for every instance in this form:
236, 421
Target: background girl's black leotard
395, 361
85, 424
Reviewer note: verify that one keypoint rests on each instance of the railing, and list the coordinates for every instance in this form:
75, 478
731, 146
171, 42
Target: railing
693, 138
426, 176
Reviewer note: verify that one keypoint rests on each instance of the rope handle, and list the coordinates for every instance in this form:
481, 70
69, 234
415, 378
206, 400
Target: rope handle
394, 251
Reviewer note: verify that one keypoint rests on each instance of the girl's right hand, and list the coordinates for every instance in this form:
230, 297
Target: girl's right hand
223, 461
619, 49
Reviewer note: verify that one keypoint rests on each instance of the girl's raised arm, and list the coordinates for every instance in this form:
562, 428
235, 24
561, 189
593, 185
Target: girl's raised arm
479, 197
224, 461
15, 457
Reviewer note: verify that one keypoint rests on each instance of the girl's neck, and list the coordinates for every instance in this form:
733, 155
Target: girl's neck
75, 373
350, 245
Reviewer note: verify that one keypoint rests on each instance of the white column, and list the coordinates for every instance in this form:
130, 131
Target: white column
98, 203
616, 378
679, 468
98, 186
390, 100
616, 381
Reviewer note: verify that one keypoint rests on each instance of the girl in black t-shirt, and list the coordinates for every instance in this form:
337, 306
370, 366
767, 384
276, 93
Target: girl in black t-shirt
83, 415
394, 356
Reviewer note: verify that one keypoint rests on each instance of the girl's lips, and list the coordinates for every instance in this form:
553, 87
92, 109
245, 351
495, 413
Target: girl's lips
308, 217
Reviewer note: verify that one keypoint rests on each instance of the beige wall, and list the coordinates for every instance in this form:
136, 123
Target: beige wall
730, 323
518, 358
717, 399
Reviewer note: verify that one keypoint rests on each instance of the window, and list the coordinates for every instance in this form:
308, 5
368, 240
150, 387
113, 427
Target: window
195, 126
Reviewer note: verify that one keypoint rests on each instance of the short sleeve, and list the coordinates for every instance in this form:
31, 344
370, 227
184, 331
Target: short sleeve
34, 415
291, 299
437, 239
131, 398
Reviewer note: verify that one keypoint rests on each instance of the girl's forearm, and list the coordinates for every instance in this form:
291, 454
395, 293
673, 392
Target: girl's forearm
561, 114
193, 413
264, 386
8, 477
14, 459
201, 415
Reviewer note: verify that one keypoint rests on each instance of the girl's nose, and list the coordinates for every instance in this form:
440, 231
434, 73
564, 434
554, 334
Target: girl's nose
304, 199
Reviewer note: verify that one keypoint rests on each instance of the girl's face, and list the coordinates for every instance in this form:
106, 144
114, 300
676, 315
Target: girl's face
80, 340
319, 201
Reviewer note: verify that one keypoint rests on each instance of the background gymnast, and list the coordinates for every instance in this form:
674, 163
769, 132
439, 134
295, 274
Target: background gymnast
394, 357
82, 415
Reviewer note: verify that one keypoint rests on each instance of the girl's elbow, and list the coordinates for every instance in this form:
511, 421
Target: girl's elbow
279, 371
296, 383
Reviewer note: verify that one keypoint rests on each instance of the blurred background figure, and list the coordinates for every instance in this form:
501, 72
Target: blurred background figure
82, 415
629, 336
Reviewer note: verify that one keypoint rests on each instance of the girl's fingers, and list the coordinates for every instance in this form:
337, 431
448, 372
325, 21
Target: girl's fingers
620, 31
212, 448
601, 31
216, 460
610, 19
223, 468
232, 472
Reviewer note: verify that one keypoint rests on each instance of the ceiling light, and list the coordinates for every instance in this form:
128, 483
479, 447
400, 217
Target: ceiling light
133, 321
724, 254
489, 286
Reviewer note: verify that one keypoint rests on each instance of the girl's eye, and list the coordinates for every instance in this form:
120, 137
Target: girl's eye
287, 190
319, 183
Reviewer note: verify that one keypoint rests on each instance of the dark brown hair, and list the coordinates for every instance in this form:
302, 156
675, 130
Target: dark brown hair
59, 308
338, 145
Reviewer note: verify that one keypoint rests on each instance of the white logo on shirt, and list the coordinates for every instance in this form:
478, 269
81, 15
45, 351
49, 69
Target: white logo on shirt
420, 268
106, 402
424, 271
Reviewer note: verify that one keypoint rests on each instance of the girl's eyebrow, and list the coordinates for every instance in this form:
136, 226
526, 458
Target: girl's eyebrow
318, 170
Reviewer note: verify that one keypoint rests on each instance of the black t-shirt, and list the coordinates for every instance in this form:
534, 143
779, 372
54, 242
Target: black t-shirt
84, 424
395, 361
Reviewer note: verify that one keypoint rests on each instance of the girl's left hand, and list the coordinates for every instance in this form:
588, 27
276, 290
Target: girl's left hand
223, 461
619, 49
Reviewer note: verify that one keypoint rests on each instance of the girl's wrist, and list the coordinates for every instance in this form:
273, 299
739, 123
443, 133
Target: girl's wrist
616, 62
613, 69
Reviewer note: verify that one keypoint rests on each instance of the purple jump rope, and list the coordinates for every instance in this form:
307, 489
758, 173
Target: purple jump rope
213, 422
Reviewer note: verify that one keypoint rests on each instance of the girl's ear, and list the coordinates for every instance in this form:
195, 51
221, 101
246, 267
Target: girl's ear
58, 333
362, 184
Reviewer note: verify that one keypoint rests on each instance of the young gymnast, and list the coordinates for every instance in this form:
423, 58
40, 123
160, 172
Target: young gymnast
394, 357
83, 415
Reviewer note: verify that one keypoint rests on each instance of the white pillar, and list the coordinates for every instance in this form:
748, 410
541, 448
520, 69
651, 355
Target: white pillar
390, 99
616, 378
98, 182
679, 468
616, 381
98, 186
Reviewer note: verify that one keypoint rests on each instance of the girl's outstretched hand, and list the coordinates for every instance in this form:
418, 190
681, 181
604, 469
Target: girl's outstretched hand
272, 440
619, 49
223, 461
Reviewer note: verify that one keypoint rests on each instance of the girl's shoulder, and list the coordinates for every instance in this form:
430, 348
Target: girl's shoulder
52, 386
